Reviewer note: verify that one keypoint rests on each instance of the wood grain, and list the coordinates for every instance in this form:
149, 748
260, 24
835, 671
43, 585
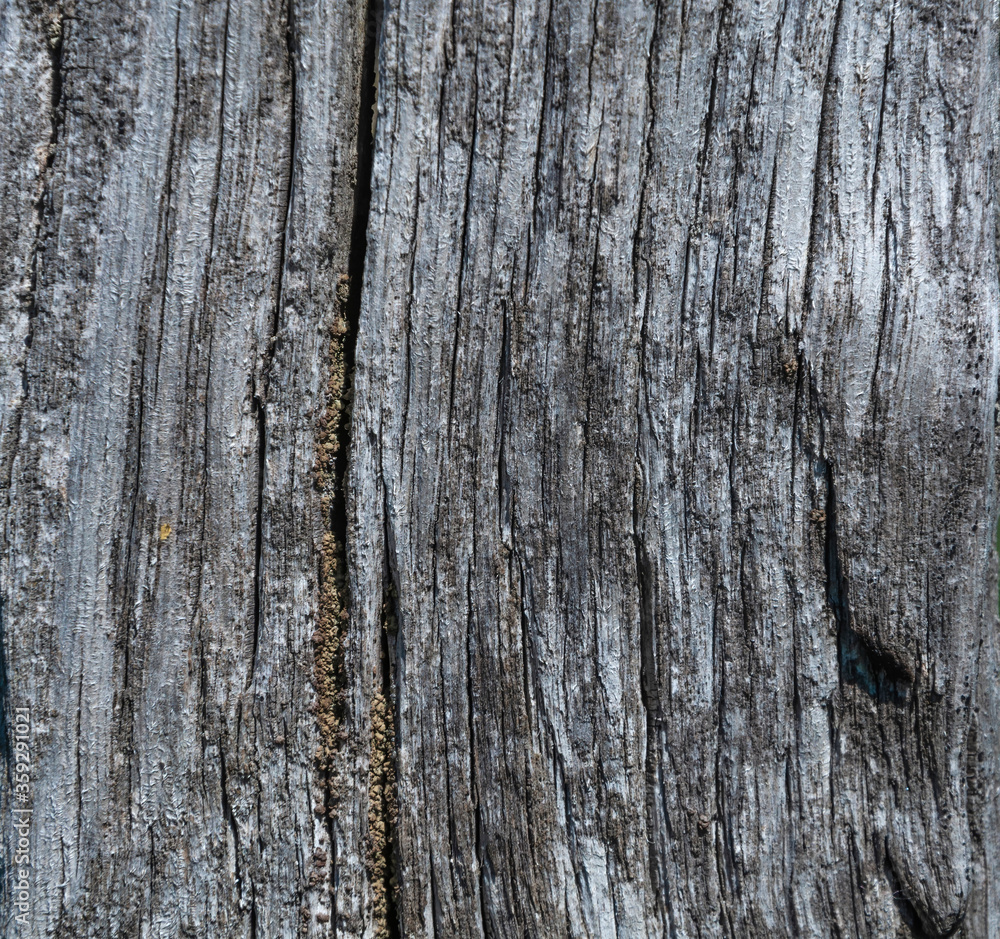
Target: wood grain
501, 469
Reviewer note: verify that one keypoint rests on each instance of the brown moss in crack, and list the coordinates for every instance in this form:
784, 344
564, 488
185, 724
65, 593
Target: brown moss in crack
328, 651
382, 804
331, 629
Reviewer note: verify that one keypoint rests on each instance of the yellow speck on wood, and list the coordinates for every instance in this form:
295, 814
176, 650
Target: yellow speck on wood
165, 530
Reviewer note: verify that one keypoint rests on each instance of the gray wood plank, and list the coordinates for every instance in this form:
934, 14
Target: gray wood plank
676, 369
563, 505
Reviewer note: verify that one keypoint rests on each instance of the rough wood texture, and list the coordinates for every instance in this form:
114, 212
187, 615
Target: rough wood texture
676, 383
568, 512
166, 327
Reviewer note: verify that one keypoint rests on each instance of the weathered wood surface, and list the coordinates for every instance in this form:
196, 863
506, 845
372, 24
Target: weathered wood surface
166, 320
642, 585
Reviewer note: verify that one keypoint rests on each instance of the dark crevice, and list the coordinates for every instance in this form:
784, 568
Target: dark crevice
723, 33
437, 913
261, 380
532, 683
259, 534
768, 246
725, 855
887, 304
907, 911
364, 150
473, 756
976, 800
408, 303
639, 254
503, 403
153, 870
124, 706
887, 64
650, 695
547, 80
206, 429
824, 153
227, 814
393, 920
351, 292
464, 241
685, 278
876, 673
291, 52
526, 673
331, 477
383, 861
79, 759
